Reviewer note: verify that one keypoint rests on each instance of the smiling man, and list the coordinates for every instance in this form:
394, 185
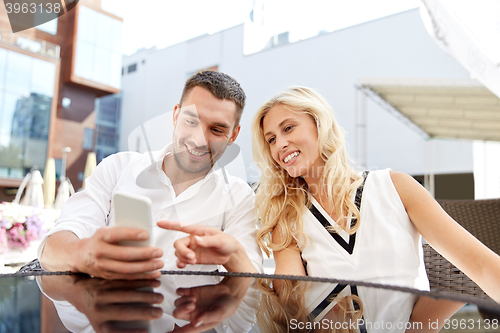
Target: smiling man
181, 182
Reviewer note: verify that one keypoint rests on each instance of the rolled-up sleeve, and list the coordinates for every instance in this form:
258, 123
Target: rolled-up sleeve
241, 222
88, 210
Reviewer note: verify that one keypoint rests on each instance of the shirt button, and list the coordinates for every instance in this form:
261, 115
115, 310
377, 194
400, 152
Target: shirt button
162, 216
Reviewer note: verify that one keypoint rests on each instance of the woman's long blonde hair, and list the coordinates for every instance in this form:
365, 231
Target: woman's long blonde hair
281, 199
277, 311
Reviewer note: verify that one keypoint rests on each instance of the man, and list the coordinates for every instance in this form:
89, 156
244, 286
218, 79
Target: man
180, 181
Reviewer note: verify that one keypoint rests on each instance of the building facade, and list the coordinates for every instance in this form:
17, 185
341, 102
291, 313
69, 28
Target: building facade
50, 78
397, 46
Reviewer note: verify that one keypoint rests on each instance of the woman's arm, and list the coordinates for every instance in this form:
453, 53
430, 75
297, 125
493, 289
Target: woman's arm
447, 237
287, 261
430, 310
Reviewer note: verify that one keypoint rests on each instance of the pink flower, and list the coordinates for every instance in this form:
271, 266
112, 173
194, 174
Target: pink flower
17, 238
3, 240
19, 225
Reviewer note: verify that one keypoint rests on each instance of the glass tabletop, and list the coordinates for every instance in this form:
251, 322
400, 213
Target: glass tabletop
228, 302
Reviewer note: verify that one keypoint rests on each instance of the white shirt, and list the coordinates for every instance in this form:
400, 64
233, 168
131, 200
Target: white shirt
211, 201
387, 250
241, 320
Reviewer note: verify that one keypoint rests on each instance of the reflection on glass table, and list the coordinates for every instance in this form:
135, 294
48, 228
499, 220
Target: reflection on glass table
348, 306
223, 302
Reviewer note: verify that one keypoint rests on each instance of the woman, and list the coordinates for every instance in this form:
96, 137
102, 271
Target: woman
313, 224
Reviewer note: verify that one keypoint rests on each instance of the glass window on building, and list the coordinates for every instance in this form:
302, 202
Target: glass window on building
58, 164
88, 138
107, 125
3, 62
18, 73
132, 68
98, 47
26, 93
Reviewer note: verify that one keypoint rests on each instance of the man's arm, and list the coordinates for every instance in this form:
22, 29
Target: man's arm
82, 302
241, 222
81, 242
101, 256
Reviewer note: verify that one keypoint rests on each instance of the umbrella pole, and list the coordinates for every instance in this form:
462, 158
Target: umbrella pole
49, 186
21, 188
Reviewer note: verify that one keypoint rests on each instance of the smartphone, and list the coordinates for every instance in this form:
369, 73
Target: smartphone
133, 211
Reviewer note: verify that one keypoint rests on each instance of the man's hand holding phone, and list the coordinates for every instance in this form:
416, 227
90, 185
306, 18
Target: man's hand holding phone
124, 251
121, 252
103, 256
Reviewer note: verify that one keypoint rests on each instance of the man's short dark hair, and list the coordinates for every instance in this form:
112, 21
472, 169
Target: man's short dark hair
221, 86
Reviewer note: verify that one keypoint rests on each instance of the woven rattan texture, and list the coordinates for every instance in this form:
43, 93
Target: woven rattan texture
445, 277
481, 218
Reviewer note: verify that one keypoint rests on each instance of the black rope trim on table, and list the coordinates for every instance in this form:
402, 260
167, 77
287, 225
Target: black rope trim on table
490, 305
437, 294
36, 273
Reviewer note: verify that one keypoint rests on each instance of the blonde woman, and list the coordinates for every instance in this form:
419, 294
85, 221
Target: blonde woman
320, 217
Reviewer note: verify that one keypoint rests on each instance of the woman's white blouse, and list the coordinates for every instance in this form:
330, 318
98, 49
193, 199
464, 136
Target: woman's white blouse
387, 250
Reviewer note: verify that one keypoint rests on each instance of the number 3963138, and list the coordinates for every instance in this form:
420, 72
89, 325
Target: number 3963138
33, 8
471, 324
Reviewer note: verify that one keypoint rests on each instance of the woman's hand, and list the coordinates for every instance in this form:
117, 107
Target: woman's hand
208, 245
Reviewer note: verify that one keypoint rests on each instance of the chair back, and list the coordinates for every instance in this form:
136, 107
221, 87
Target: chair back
482, 219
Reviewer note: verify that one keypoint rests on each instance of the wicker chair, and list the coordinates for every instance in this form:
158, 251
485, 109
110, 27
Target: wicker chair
482, 219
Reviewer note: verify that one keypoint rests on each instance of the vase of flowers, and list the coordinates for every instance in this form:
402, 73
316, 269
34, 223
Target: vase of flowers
21, 225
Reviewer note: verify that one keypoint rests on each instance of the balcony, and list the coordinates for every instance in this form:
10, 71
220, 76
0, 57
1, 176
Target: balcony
31, 44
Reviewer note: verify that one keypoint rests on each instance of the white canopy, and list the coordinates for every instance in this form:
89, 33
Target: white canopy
442, 108
469, 31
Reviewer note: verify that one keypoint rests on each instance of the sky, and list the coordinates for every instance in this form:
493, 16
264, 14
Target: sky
163, 23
